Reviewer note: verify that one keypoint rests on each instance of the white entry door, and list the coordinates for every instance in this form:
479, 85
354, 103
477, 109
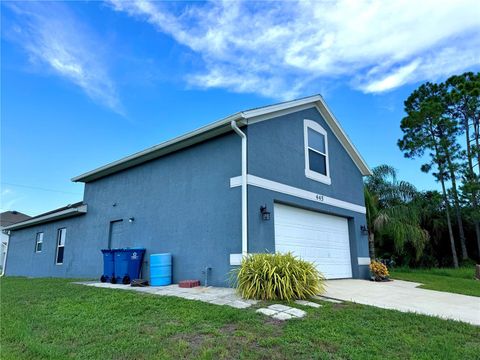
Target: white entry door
319, 238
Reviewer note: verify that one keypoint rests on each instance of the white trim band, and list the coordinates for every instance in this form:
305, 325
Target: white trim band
236, 259
363, 261
293, 191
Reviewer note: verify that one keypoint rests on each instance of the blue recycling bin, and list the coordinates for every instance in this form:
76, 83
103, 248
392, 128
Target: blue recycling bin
120, 266
135, 260
160, 269
108, 265
128, 263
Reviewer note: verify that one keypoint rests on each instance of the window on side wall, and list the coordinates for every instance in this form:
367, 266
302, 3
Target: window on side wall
61, 235
316, 152
39, 242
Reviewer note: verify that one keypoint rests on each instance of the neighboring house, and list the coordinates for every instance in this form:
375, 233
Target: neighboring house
8, 218
278, 178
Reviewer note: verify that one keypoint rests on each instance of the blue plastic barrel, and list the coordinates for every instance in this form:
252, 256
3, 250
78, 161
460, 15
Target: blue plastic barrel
160, 269
121, 266
135, 260
108, 265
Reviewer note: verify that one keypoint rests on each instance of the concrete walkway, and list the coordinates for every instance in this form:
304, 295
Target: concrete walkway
405, 296
212, 295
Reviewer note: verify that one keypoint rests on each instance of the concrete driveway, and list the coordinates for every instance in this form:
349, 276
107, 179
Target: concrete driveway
405, 296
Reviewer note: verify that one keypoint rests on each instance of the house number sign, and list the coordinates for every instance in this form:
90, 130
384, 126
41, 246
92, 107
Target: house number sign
319, 197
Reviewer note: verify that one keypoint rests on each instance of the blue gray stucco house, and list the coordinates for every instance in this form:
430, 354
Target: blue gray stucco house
282, 178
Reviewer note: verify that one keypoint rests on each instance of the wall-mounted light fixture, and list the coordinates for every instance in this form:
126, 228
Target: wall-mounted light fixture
364, 230
265, 213
131, 220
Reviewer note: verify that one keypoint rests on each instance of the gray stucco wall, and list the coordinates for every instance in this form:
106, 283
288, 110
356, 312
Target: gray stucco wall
182, 204
276, 152
77, 262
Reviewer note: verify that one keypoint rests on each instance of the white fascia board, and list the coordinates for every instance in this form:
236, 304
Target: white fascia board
82, 209
272, 109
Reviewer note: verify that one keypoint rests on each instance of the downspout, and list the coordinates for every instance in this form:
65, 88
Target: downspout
244, 187
5, 257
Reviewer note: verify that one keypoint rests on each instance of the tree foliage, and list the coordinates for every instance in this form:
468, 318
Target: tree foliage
391, 212
442, 129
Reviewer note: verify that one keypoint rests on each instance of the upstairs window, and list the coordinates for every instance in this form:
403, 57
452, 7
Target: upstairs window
316, 152
61, 235
39, 242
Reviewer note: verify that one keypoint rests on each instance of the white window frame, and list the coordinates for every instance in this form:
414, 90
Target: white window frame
310, 124
59, 231
39, 242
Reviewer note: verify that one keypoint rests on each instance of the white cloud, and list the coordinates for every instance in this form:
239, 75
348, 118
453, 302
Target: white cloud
393, 78
281, 49
52, 36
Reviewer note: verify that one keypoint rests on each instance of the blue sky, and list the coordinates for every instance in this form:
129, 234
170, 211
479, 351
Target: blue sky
86, 83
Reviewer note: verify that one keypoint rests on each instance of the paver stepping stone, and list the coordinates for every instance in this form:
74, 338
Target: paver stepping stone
296, 312
308, 303
282, 316
268, 312
279, 307
282, 312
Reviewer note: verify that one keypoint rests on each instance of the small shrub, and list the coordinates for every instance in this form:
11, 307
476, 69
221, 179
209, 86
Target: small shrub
379, 271
277, 277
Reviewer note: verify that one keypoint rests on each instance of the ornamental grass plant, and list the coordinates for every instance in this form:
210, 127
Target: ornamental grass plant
277, 277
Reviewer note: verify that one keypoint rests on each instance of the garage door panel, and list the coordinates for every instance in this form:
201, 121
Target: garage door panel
314, 224
324, 250
319, 238
310, 233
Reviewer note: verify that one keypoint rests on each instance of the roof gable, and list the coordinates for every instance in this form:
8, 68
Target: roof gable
262, 114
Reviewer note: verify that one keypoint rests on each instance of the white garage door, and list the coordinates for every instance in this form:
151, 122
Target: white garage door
319, 238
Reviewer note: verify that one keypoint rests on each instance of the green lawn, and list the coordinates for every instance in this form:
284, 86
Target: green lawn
461, 280
52, 318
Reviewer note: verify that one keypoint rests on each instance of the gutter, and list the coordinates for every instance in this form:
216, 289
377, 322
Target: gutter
244, 187
57, 215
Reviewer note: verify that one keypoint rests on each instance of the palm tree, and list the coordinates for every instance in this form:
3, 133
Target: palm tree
392, 211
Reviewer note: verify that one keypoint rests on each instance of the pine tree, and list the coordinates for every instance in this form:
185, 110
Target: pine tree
427, 129
463, 100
